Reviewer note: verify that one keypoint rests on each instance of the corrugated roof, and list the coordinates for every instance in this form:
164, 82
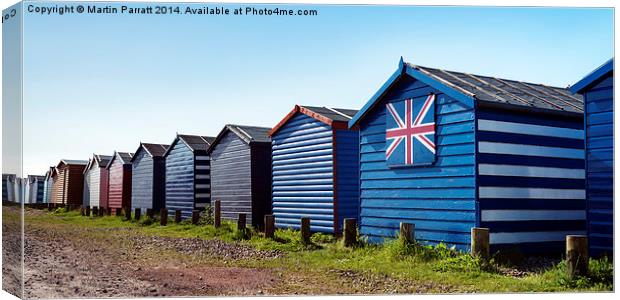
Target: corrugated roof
253, 133
102, 160
506, 91
337, 118
335, 114
155, 150
125, 157
74, 162
196, 142
470, 88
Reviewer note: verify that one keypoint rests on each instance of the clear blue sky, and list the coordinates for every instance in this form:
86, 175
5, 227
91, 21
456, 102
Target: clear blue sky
105, 83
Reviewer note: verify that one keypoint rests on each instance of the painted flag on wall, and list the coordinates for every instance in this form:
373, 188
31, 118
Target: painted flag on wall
410, 132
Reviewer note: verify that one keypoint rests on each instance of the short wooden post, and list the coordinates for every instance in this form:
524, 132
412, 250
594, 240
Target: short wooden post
270, 227
217, 213
350, 232
305, 230
95, 211
118, 212
128, 213
87, 213
576, 255
407, 232
163, 217
49, 207
241, 222
195, 216
82, 211
101, 211
137, 214
149, 213
177, 216
480, 242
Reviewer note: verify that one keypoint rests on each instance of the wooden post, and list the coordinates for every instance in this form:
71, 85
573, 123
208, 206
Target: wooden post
137, 213
480, 242
217, 213
350, 232
95, 211
270, 226
118, 212
163, 221
241, 222
49, 207
177, 216
87, 211
407, 232
127, 213
149, 213
82, 211
195, 216
101, 211
576, 255
305, 230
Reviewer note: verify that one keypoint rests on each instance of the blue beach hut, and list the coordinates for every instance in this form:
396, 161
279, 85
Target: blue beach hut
448, 151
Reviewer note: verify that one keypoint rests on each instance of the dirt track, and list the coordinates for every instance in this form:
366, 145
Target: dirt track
67, 261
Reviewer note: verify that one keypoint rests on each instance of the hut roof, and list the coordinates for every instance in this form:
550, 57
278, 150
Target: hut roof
483, 89
594, 76
248, 134
153, 150
193, 142
335, 117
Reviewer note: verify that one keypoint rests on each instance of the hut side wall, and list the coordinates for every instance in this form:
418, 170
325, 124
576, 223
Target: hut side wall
119, 185
94, 190
180, 180
261, 181
347, 175
439, 199
530, 179
104, 187
302, 168
599, 152
202, 179
87, 189
231, 177
159, 186
142, 181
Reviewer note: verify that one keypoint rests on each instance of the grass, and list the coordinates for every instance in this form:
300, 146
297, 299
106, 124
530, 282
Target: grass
395, 258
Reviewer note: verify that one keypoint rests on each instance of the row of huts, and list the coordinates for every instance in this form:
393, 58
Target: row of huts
444, 150
26, 190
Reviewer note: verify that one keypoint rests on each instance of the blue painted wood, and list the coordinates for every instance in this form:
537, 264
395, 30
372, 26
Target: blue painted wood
438, 199
180, 179
147, 186
315, 174
597, 89
499, 170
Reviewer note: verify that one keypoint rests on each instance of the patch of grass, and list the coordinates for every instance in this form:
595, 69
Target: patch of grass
436, 265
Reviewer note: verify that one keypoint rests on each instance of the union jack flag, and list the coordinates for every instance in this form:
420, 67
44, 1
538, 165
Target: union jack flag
410, 132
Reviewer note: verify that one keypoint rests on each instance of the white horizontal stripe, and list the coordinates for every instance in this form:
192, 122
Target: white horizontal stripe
530, 171
521, 128
203, 186
203, 167
529, 150
203, 176
530, 193
530, 237
207, 195
531, 215
203, 157
201, 205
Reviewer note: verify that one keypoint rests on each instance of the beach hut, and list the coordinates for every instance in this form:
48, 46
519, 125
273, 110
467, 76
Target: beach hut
34, 189
119, 181
448, 151
188, 181
148, 177
241, 172
68, 182
315, 168
597, 90
49, 183
19, 187
96, 181
7, 187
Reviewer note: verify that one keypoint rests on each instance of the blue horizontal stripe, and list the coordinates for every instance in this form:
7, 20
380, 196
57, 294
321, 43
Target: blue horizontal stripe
520, 226
520, 203
524, 160
513, 181
537, 119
